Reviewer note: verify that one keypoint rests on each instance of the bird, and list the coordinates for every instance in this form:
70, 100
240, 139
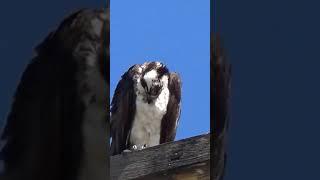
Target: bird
56, 128
145, 107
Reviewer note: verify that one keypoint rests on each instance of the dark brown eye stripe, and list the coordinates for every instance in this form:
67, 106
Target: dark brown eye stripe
161, 71
143, 83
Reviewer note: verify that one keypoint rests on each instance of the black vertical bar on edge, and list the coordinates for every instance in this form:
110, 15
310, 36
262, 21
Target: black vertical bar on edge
220, 74
212, 82
107, 66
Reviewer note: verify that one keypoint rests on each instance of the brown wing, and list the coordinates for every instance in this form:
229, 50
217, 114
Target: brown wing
220, 92
171, 119
43, 133
122, 111
221, 77
40, 117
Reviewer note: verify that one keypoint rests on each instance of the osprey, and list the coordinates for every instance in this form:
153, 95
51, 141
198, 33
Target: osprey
57, 125
145, 108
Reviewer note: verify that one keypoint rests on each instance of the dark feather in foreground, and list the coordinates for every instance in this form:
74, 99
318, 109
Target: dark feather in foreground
43, 129
220, 99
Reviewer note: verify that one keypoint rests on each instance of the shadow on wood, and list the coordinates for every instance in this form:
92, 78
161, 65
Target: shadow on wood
187, 159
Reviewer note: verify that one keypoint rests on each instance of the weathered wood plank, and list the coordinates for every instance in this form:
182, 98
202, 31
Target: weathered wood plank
199, 171
170, 158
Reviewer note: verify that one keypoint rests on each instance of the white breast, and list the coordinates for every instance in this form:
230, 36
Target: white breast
147, 122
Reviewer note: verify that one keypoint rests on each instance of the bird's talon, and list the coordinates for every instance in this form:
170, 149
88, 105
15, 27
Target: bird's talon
144, 146
126, 150
134, 147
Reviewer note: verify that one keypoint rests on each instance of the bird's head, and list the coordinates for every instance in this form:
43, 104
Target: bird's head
153, 79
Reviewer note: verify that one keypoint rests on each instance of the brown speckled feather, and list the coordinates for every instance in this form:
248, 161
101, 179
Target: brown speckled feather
122, 111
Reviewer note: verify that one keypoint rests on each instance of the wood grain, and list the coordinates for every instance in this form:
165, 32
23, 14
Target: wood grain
176, 160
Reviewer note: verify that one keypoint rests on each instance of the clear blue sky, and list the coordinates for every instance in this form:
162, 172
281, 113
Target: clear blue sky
176, 33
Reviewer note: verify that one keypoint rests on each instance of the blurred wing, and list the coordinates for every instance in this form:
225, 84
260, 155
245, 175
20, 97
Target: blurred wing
32, 132
171, 119
44, 126
221, 77
122, 111
220, 99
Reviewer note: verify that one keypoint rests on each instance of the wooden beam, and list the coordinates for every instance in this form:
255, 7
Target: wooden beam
187, 159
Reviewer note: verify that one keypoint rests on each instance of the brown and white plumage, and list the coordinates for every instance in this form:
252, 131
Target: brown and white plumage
145, 108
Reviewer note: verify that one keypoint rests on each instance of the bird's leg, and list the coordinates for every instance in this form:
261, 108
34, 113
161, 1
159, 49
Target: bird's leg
144, 146
126, 150
132, 148
135, 147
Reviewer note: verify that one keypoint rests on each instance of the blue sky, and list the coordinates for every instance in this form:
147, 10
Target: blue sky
176, 33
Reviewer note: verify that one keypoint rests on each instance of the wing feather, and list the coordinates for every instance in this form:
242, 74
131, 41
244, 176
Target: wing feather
122, 111
42, 135
171, 119
32, 134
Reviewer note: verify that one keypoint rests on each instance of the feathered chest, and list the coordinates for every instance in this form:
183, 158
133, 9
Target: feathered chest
146, 126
